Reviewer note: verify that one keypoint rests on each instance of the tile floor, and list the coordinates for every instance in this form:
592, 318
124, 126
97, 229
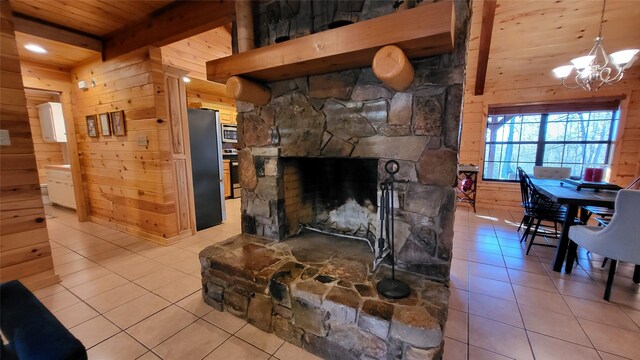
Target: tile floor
508, 305
127, 298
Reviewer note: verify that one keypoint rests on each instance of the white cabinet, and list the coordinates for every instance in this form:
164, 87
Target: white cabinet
60, 188
52, 122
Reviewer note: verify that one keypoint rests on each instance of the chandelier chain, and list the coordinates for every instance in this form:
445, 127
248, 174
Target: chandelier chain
604, 4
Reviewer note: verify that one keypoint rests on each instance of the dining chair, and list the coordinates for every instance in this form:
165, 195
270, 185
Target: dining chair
603, 212
551, 172
540, 209
617, 241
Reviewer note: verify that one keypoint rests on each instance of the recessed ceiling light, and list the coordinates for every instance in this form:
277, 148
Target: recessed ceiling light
35, 48
186, 79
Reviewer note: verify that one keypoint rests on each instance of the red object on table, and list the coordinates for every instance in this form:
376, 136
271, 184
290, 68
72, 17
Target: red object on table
598, 174
588, 174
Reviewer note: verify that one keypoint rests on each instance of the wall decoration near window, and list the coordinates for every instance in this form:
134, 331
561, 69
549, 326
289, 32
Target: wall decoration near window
92, 126
117, 122
105, 124
576, 135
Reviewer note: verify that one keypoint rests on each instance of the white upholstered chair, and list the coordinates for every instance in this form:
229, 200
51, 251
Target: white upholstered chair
551, 172
620, 240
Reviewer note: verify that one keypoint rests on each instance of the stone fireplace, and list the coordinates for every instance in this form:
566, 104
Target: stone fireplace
311, 163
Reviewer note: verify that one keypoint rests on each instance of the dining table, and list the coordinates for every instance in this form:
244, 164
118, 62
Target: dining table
568, 195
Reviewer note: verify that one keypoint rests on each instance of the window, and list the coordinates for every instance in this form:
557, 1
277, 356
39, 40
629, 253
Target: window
574, 135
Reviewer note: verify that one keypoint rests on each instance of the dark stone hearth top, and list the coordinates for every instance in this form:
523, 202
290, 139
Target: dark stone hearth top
323, 270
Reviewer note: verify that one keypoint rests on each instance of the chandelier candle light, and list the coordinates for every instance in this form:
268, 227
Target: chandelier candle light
597, 68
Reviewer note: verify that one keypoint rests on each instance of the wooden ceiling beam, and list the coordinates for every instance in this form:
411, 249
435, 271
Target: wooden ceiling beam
174, 22
486, 30
36, 27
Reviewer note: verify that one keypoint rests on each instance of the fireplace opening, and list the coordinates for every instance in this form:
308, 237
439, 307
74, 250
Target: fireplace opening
332, 195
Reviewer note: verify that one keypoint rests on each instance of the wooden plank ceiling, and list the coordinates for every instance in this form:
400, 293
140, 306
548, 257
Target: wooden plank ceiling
58, 54
95, 17
530, 38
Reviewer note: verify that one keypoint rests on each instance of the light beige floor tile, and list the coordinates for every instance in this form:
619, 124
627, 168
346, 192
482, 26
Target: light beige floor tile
195, 305
485, 258
549, 348
136, 310
59, 300
84, 276
94, 331
149, 355
536, 281
607, 356
66, 257
237, 349
491, 287
632, 313
459, 274
160, 326
503, 339
459, 299
121, 347
478, 246
98, 286
495, 309
265, 341
186, 266
134, 269
159, 278
599, 312
453, 350
563, 327
74, 266
193, 342
49, 290
476, 353
612, 339
489, 271
225, 321
526, 264
593, 291
116, 297
176, 255
291, 352
179, 289
457, 325
542, 299
75, 314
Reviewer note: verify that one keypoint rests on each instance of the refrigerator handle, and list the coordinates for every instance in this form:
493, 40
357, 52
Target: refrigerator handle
220, 165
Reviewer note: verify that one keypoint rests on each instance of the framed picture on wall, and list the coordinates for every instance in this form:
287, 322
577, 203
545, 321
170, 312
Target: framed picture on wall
105, 124
117, 123
92, 126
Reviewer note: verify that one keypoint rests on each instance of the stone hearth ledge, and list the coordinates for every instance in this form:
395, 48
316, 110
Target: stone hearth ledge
324, 301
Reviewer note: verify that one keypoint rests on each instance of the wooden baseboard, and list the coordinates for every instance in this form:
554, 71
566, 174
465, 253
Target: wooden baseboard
136, 232
38, 281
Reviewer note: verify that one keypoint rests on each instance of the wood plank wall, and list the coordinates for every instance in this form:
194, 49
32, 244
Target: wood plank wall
192, 53
47, 153
25, 251
626, 160
128, 186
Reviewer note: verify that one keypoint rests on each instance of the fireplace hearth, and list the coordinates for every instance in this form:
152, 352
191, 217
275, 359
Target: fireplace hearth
317, 291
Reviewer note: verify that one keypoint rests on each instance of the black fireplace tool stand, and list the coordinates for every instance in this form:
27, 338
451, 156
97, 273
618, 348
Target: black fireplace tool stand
391, 288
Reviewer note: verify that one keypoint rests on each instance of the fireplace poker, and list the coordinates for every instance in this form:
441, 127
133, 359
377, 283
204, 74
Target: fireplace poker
390, 287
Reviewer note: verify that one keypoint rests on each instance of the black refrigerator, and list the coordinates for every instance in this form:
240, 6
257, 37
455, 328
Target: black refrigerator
206, 166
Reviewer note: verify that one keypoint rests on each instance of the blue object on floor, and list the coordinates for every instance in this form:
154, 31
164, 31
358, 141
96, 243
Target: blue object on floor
31, 329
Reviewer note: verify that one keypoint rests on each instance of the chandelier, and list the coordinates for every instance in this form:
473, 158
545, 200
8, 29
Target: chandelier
597, 67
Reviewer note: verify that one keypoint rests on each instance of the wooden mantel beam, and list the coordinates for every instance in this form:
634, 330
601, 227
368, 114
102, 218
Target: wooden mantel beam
486, 30
174, 22
347, 47
36, 27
